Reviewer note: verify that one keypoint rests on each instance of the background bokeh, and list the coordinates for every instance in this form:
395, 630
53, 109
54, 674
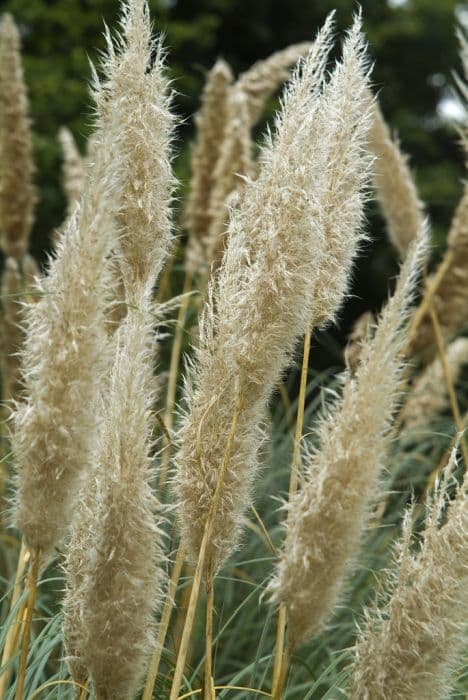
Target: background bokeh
412, 43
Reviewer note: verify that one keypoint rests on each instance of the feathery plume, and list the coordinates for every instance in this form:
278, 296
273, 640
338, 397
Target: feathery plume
261, 80
327, 516
17, 285
12, 335
345, 105
234, 165
115, 576
395, 186
17, 194
146, 124
429, 394
361, 332
63, 356
74, 169
210, 123
262, 300
31, 271
409, 646
451, 298
114, 582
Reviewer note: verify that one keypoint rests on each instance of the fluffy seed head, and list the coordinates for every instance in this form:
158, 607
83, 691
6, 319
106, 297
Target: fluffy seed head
262, 301
17, 194
114, 562
395, 186
327, 516
210, 123
74, 169
429, 393
412, 641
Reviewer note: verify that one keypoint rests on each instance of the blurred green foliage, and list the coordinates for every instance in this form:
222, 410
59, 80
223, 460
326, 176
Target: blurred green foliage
412, 43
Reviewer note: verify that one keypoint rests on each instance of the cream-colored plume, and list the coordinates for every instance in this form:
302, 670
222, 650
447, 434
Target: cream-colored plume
115, 562
394, 185
17, 194
429, 394
361, 332
115, 576
146, 124
12, 335
233, 167
451, 298
344, 110
327, 516
74, 169
412, 641
64, 351
261, 80
263, 298
210, 123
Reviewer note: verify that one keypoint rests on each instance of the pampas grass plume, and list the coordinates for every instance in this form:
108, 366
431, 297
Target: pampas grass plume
409, 645
327, 516
17, 194
428, 396
63, 358
394, 185
115, 562
74, 169
263, 297
115, 577
210, 123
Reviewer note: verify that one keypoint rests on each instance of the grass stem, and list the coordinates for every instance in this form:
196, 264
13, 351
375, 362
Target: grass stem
13, 634
448, 380
281, 661
164, 624
200, 568
32, 589
173, 375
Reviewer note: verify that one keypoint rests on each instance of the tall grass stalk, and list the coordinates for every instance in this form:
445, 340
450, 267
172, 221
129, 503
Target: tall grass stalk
174, 367
449, 382
164, 623
281, 654
203, 557
33, 576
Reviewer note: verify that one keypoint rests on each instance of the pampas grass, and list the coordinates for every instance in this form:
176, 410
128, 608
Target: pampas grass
17, 194
74, 169
273, 235
115, 575
265, 283
394, 184
210, 123
327, 516
62, 359
412, 641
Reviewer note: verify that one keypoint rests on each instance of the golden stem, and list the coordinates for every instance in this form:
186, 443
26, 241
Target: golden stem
164, 624
429, 293
173, 375
32, 588
208, 673
200, 568
448, 380
12, 637
281, 660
